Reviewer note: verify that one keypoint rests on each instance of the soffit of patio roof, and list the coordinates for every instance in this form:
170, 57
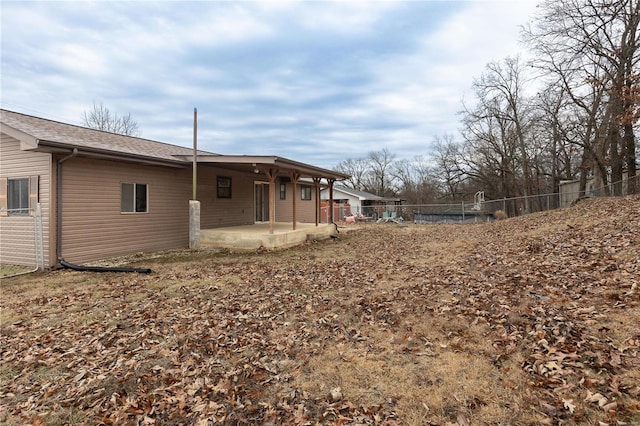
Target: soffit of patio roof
262, 163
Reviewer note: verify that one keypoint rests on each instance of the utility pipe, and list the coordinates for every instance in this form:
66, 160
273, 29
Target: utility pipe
59, 201
195, 154
102, 268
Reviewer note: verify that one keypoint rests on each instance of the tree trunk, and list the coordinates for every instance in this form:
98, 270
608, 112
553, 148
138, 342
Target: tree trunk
630, 143
584, 170
615, 153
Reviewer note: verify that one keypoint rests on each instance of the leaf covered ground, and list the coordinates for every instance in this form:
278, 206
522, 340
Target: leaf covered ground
531, 320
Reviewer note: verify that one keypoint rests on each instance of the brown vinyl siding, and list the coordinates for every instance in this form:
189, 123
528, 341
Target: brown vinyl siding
17, 237
222, 212
94, 228
283, 207
305, 208
92, 225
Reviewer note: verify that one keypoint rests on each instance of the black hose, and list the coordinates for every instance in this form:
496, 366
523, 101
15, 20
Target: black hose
102, 268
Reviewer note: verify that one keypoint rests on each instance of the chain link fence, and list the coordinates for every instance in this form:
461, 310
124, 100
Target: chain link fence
518, 206
21, 241
481, 210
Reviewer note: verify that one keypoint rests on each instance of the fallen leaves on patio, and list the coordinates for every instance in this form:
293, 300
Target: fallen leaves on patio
532, 320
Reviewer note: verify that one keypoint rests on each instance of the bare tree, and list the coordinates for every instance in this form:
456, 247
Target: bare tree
416, 184
357, 169
414, 180
380, 162
500, 89
489, 152
559, 158
101, 118
499, 152
404, 172
591, 47
448, 170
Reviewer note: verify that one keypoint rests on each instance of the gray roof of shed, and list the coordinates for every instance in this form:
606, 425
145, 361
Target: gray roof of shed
362, 195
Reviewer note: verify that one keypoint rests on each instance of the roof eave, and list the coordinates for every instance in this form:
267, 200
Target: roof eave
27, 142
51, 146
307, 170
370, 197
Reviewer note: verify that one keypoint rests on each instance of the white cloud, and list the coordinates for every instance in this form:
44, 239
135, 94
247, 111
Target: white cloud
313, 81
344, 17
224, 27
483, 32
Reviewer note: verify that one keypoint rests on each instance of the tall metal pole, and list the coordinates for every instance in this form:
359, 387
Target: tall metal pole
195, 154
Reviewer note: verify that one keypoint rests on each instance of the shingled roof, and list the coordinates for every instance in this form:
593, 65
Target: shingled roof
362, 195
49, 133
41, 134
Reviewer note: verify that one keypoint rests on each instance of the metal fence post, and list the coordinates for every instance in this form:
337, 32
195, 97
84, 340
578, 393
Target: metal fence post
39, 237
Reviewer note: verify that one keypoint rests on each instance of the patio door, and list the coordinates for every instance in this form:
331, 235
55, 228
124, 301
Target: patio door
261, 201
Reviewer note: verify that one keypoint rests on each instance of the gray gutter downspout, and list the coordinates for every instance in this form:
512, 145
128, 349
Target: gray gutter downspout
59, 202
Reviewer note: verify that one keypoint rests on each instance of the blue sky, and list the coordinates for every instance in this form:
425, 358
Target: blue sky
312, 81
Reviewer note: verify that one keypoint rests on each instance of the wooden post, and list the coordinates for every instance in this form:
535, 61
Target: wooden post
194, 204
331, 182
272, 174
294, 180
316, 183
195, 155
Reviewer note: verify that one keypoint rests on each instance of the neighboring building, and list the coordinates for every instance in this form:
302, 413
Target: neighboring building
349, 201
105, 195
570, 189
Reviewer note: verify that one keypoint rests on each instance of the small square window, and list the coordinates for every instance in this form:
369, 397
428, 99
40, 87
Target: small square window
18, 196
134, 198
305, 194
224, 187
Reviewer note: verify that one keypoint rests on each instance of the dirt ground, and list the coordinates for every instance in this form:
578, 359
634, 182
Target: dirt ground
530, 320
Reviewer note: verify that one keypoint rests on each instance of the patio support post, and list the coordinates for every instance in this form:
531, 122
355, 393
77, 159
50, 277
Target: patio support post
194, 224
272, 174
331, 182
294, 180
316, 183
194, 204
195, 155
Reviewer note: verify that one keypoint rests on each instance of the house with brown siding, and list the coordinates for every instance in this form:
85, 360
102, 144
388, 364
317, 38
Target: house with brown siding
103, 195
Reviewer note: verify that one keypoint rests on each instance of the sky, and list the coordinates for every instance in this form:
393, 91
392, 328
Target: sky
311, 81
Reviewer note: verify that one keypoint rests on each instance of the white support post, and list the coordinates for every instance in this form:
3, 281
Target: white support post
194, 224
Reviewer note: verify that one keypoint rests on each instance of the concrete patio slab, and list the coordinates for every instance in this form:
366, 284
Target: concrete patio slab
252, 237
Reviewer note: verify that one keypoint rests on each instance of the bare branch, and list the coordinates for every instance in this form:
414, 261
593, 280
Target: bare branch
100, 118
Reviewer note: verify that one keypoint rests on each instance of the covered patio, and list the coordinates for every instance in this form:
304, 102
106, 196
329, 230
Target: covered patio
270, 230
252, 237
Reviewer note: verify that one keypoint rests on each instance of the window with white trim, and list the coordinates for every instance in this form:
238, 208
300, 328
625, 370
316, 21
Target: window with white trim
134, 198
